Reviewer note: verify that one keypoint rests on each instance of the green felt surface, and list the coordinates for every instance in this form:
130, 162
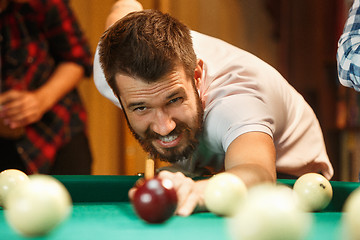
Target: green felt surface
101, 211
100, 221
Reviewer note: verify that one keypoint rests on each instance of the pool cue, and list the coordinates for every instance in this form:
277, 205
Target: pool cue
149, 168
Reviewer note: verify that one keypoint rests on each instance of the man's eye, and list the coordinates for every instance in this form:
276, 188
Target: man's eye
139, 109
175, 100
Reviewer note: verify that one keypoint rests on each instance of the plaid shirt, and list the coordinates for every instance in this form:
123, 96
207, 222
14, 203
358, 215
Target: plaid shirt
348, 54
35, 38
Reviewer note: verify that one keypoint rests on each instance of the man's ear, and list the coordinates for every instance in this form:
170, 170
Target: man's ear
198, 72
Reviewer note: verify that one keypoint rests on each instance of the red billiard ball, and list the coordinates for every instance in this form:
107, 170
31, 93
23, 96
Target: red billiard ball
155, 200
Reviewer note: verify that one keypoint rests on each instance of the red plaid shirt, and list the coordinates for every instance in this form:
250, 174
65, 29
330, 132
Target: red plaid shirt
36, 37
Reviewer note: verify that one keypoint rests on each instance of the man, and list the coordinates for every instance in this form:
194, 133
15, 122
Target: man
44, 55
178, 88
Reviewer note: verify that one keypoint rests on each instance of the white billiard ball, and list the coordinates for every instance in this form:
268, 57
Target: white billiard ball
37, 207
350, 217
223, 193
9, 179
314, 191
269, 212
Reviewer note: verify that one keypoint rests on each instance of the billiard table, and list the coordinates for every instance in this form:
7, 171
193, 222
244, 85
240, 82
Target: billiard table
102, 211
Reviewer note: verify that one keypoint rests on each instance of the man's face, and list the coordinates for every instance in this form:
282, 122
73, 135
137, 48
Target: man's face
165, 116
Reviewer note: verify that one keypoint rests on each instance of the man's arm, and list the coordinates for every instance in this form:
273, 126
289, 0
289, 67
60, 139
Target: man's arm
120, 9
251, 157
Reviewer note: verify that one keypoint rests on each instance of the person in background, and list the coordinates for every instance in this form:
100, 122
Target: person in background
201, 103
44, 55
348, 59
348, 53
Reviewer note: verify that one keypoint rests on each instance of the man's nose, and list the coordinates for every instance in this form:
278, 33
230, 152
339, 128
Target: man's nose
163, 124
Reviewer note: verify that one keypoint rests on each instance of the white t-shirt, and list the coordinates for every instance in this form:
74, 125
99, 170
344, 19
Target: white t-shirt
241, 94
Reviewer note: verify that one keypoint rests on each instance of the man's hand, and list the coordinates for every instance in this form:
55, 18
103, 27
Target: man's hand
190, 193
20, 108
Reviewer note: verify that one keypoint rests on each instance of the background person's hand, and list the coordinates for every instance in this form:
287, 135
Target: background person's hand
20, 108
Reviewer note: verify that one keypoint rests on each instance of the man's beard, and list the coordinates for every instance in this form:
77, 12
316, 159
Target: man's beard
173, 155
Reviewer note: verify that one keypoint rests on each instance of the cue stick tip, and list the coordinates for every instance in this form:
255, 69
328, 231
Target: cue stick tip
149, 168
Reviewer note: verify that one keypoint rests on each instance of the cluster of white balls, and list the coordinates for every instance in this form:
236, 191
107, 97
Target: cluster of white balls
270, 212
267, 211
34, 205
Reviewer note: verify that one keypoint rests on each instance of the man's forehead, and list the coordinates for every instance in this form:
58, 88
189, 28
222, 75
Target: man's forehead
130, 84
145, 92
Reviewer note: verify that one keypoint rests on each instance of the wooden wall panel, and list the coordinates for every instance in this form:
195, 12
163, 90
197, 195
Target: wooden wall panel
104, 119
245, 24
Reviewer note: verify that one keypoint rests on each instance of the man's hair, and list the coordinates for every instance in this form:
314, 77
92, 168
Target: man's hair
147, 45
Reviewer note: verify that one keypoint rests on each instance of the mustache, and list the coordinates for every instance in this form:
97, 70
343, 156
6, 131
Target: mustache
180, 128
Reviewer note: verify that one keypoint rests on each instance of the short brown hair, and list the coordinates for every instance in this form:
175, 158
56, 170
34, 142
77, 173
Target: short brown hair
147, 45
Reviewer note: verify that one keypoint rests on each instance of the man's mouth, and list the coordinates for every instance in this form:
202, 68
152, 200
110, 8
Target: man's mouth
169, 141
